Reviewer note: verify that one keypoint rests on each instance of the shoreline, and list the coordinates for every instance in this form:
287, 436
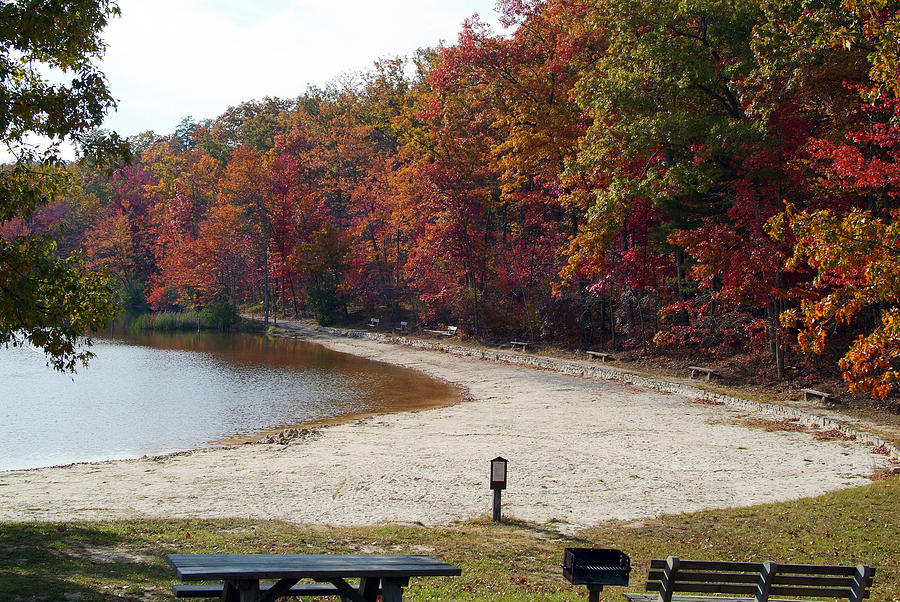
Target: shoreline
43, 447
582, 450
322, 423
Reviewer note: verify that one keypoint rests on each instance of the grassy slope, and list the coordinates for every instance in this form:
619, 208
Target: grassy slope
519, 561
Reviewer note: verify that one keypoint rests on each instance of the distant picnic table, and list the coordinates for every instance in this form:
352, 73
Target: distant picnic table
451, 331
815, 393
710, 372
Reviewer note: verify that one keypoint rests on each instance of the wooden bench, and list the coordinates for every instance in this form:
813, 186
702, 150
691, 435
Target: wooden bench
215, 590
603, 356
752, 581
451, 331
522, 344
403, 327
373, 323
710, 372
820, 394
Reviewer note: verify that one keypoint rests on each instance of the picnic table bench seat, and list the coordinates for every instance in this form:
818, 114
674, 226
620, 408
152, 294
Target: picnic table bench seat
522, 344
751, 581
710, 372
215, 590
820, 394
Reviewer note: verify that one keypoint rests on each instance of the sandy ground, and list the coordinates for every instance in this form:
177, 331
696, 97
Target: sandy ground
580, 450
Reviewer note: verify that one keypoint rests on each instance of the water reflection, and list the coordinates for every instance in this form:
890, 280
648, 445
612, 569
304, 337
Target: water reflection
157, 392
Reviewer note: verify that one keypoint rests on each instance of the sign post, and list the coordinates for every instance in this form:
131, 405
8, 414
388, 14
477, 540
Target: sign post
498, 483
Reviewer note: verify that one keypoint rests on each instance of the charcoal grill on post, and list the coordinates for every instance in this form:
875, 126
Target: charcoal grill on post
595, 567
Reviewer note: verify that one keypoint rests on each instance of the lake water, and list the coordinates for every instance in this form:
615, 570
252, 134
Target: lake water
158, 393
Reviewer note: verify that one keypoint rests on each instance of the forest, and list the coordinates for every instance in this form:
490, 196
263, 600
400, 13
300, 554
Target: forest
697, 178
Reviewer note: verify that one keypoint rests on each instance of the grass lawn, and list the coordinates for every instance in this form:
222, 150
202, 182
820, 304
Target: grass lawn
516, 561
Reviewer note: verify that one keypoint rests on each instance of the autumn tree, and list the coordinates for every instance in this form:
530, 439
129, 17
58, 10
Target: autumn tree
847, 230
451, 258
243, 184
361, 175
45, 298
208, 271
109, 245
683, 121
253, 124
523, 84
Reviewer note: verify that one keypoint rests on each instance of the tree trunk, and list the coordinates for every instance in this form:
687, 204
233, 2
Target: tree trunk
776, 345
679, 271
266, 284
293, 296
528, 325
475, 306
612, 317
641, 319
779, 358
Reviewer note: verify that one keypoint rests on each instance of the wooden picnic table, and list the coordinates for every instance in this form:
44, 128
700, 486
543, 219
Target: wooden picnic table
815, 393
710, 372
241, 573
603, 355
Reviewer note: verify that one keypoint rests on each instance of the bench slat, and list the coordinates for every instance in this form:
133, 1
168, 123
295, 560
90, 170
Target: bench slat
824, 592
728, 565
748, 589
706, 588
694, 576
638, 597
642, 597
825, 580
778, 579
819, 569
712, 565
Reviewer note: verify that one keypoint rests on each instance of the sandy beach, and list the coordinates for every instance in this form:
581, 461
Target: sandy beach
581, 451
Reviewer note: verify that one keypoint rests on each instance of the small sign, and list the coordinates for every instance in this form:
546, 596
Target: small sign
498, 473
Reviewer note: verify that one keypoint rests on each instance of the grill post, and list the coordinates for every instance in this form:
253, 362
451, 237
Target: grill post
594, 593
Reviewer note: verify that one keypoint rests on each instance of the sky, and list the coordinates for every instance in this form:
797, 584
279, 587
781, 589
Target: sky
168, 59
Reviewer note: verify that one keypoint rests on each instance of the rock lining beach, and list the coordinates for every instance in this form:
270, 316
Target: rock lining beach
581, 451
